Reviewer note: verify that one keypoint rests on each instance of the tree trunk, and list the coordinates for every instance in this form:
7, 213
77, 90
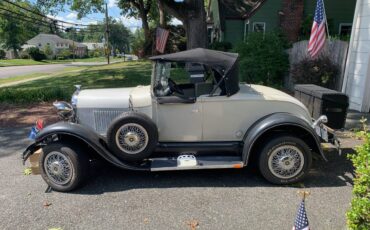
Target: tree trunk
145, 25
193, 16
195, 26
162, 14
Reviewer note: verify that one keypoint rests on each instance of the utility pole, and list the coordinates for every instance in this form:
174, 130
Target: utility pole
107, 32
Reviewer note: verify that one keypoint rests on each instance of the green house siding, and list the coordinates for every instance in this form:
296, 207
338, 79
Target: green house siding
268, 14
337, 11
234, 31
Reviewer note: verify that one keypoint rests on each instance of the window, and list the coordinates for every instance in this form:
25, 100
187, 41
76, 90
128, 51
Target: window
246, 30
345, 29
259, 27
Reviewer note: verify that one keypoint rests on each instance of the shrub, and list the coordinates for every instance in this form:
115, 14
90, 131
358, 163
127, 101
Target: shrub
321, 71
263, 59
36, 54
2, 54
14, 95
222, 46
64, 54
24, 55
358, 217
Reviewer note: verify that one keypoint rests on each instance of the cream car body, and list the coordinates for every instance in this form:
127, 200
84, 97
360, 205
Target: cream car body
211, 122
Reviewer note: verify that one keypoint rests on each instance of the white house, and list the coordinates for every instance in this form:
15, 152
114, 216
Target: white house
356, 82
94, 45
57, 44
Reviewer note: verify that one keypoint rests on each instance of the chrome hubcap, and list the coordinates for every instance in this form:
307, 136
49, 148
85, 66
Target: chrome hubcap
58, 168
132, 138
286, 161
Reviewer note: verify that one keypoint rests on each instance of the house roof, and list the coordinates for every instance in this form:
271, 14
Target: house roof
51, 38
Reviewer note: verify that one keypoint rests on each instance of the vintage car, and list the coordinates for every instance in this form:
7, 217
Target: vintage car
211, 121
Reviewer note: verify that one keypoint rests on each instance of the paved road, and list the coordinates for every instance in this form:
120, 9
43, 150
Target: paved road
12, 71
218, 199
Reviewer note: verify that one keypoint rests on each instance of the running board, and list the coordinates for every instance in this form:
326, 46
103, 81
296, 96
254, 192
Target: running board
205, 162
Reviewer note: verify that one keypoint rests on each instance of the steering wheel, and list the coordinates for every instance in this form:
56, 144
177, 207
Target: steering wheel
174, 87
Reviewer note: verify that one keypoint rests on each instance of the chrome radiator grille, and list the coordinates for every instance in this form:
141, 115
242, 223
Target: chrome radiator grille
98, 119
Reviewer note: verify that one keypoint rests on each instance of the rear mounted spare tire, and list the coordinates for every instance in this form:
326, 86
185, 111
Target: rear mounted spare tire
132, 136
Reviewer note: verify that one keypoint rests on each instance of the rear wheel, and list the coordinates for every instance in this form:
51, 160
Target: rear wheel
285, 160
64, 166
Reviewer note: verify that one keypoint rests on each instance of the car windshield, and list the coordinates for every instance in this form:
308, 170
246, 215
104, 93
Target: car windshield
190, 80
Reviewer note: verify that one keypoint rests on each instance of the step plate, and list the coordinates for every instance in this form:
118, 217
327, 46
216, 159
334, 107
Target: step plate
170, 164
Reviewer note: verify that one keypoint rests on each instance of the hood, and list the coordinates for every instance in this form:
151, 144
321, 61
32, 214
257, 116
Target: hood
104, 98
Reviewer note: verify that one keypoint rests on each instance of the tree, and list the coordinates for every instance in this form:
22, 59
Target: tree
48, 51
193, 16
15, 31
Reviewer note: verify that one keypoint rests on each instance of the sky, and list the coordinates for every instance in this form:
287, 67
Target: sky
113, 11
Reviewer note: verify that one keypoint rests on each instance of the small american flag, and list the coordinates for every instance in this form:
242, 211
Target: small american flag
301, 221
318, 31
161, 39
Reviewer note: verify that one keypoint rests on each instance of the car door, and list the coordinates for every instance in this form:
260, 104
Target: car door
178, 122
223, 119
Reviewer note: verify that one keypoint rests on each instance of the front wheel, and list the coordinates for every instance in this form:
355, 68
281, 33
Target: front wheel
285, 160
64, 166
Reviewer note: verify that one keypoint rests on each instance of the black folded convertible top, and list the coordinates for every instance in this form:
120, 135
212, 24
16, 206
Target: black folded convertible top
226, 64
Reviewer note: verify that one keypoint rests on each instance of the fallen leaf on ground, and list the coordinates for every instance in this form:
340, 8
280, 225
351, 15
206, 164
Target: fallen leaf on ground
46, 204
27, 171
193, 224
146, 221
55, 229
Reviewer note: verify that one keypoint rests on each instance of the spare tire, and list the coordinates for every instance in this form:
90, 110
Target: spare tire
132, 136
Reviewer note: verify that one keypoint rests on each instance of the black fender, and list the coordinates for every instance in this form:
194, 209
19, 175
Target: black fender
275, 120
83, 133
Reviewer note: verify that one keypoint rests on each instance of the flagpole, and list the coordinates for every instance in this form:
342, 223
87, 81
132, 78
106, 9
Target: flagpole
326, 19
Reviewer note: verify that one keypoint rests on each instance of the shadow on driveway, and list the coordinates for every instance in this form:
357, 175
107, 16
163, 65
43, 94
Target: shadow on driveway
335, 173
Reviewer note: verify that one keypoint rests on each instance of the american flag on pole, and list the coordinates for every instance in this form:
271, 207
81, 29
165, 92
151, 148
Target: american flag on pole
161, 39
318, 31
301, 221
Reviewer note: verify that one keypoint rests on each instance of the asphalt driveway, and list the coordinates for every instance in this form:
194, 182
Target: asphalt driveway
12, 71
215, 199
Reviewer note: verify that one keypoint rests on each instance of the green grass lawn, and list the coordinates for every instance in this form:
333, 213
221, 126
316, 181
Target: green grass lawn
20, 62
61, 86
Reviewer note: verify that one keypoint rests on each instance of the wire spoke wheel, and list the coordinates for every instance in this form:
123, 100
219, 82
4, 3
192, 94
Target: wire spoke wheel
58, 168
132, 138
286, 161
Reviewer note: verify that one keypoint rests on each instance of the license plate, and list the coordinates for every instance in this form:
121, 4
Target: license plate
322, 132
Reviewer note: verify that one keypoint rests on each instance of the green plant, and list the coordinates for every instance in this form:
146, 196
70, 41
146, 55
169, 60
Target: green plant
263, 59
48, 51
222, 46
24, 55
36, 54
321, 71
64, 54
358, 216
2, 54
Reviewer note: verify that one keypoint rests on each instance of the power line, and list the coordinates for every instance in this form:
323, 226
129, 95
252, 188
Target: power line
32, 22
39, 14
23, 15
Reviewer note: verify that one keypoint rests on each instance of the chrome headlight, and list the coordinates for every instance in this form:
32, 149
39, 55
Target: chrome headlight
65, 110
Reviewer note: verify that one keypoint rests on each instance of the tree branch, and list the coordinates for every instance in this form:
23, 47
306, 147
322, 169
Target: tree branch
178, 10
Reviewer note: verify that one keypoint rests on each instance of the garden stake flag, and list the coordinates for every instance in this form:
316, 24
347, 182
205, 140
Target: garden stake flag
161, 39
301, 221
318, 31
